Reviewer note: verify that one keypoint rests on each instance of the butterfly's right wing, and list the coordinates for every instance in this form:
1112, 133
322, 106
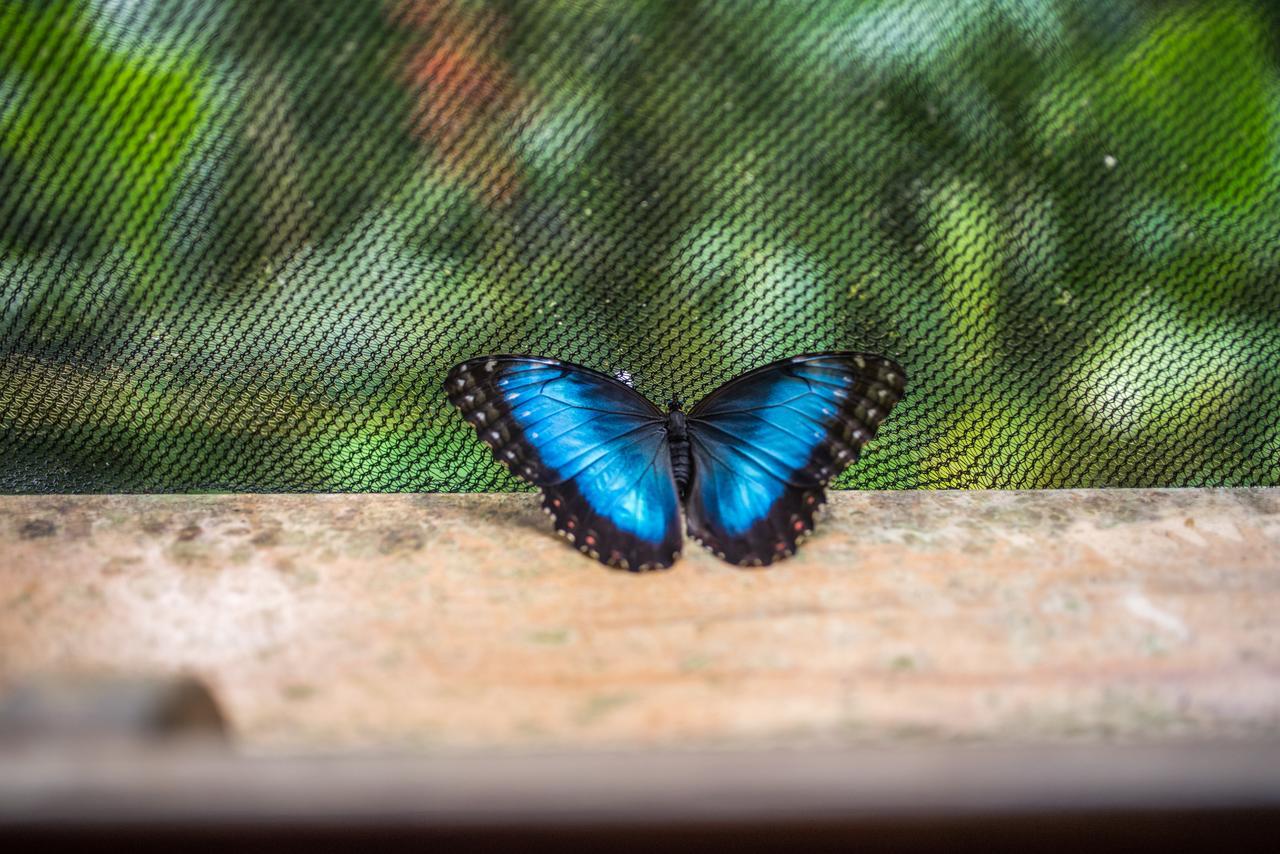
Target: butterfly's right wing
766, 443
594, 446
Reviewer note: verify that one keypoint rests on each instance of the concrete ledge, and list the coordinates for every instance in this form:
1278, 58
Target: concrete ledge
457, 621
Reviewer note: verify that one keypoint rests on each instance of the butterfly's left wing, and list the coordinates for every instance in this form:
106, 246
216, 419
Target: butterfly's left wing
765, 444
594, 446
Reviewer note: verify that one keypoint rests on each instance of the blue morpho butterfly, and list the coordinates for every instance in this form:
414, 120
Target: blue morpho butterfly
749, 461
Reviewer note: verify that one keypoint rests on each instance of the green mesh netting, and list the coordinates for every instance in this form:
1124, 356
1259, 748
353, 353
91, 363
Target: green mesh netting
241, 242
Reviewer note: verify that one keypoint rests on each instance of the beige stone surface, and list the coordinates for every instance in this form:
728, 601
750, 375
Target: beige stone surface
339, 621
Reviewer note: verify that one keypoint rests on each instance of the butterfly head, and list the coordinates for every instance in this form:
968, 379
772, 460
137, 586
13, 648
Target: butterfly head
675, 404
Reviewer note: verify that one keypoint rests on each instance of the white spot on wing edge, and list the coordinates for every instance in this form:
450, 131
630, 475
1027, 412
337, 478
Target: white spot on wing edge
1137, 603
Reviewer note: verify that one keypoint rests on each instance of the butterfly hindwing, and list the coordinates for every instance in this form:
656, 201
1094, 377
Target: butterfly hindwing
766, 443
595, 447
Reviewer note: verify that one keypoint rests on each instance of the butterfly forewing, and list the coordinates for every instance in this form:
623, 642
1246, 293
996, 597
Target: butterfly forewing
765, 445
595, 447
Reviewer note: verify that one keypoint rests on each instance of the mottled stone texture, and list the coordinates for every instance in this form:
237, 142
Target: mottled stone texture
459, 621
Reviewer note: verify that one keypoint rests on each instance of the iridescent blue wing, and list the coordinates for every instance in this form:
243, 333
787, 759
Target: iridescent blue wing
765, 444
594, 446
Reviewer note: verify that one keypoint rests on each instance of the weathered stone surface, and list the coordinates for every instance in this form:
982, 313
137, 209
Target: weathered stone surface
459, 621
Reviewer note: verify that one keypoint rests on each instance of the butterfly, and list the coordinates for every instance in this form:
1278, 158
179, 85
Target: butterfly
748, 463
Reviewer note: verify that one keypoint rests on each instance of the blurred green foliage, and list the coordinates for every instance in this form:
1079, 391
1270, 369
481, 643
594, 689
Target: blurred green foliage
241, 243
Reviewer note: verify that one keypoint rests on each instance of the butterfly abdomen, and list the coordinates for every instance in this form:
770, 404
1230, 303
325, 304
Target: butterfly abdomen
678, 442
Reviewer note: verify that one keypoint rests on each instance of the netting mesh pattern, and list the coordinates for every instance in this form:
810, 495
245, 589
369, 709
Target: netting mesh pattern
242, 242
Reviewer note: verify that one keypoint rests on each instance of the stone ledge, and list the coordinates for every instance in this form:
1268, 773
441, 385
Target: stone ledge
458, 621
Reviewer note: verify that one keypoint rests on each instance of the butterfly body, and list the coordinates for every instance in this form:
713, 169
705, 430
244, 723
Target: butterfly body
678, 445
748, 463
